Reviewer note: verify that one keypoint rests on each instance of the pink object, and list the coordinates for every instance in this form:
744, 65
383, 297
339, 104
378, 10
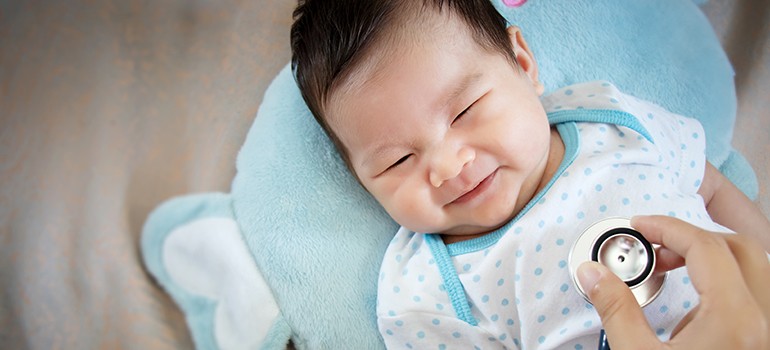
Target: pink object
514, 3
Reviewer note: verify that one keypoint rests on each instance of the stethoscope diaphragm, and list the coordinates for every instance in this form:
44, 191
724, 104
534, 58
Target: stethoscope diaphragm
615, 244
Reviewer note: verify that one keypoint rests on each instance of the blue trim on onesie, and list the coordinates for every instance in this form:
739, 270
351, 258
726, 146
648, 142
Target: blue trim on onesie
606, 116
452, 283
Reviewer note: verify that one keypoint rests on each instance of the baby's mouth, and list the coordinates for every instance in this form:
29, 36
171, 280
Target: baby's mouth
476, 190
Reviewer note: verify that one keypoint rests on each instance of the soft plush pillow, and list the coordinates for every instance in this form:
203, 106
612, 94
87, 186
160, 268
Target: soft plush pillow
293, 251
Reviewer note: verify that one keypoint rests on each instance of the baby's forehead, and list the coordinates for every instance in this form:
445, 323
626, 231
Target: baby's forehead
394, 43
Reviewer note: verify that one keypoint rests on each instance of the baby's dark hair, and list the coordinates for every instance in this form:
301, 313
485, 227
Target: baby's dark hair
329, 39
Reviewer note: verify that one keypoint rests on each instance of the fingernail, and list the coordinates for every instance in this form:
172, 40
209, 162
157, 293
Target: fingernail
588, 274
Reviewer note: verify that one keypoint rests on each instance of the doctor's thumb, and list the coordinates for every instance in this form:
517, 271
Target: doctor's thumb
622, 318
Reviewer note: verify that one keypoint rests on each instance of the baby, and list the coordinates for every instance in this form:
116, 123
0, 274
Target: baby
436, 108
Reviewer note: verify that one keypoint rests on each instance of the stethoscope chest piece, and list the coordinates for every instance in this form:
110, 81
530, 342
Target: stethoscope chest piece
613, 243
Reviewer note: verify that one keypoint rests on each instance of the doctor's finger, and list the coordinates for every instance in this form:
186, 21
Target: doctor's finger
754, 266
707, 254
667, 260
622, 318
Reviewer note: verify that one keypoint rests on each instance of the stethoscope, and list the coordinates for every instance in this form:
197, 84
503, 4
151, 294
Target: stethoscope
613, 243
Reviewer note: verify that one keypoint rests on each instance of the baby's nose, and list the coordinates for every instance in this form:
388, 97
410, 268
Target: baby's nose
448, 165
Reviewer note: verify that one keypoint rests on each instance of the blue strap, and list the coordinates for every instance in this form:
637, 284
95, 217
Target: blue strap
607, 116
452, 283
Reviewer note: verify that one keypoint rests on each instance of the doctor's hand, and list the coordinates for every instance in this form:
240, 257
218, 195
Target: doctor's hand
729, 271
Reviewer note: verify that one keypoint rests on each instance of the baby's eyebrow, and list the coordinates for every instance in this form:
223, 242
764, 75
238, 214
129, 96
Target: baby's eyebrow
381, 151
376, 154
384, 148
457, 90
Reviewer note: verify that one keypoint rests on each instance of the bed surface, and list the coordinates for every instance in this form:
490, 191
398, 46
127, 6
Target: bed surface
108, 108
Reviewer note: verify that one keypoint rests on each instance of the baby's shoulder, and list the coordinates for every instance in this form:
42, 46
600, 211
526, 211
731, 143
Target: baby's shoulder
603, 102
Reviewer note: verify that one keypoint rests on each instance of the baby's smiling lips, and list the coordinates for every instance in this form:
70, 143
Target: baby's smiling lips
477, 190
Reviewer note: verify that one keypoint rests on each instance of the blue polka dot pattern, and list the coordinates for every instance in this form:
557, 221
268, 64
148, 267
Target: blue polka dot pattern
515, 283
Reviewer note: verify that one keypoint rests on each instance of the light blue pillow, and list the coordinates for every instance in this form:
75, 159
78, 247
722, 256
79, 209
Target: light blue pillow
316, 237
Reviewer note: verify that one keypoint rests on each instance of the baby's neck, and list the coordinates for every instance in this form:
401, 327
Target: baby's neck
555, 157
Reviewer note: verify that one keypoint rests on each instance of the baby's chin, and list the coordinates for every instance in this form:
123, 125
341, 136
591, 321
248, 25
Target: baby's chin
477, 228
464, 233
462, 223
473, 230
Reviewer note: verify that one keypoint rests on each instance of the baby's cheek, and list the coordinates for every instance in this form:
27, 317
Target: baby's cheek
414, 211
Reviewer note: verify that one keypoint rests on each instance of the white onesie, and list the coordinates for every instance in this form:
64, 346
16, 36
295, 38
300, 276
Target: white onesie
511, 288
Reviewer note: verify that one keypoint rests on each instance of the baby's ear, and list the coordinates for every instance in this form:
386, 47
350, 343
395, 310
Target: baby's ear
524, 57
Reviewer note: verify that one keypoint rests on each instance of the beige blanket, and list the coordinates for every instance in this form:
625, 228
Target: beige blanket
110, 107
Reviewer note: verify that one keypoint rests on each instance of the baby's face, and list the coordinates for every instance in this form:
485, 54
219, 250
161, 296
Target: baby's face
448, 137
